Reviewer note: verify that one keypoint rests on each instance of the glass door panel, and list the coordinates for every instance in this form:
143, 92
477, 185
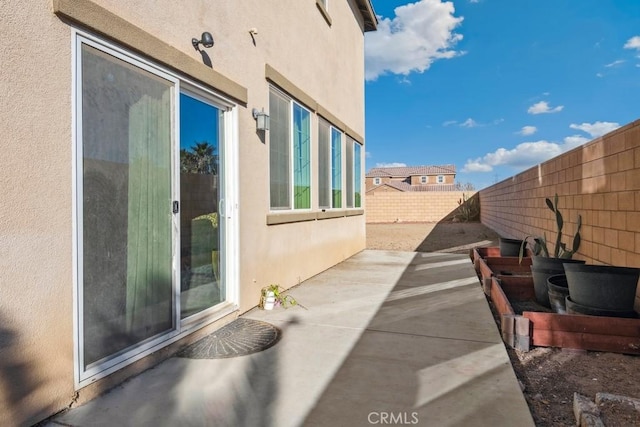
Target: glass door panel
126, 115
201, 284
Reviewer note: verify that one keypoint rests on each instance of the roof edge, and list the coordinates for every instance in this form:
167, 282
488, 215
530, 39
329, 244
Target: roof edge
368, 14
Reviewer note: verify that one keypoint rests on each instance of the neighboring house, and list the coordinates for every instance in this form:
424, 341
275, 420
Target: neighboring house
143, 207
412, 194
412, 178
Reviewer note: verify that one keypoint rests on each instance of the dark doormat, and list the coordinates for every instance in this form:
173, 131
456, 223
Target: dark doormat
238, 338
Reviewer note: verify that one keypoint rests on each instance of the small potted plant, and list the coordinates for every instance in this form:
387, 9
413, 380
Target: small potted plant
273, 295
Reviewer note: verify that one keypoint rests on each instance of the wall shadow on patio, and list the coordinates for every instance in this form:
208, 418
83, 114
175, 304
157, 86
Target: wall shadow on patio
431, 355
240, 391
457, 237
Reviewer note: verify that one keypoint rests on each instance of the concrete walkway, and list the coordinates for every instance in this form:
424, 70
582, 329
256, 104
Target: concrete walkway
389, 338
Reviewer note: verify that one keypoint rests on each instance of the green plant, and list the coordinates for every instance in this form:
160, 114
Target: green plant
467, 208
540, 243
281, 298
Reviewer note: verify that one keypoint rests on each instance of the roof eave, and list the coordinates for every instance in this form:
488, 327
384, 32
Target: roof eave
368, 14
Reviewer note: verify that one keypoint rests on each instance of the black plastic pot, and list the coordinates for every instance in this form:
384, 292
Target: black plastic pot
509, 247
544, 267
553, 263
558, 291
540, 277
602, 287
573, 308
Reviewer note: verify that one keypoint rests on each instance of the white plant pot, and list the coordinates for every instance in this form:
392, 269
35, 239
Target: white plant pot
269, 300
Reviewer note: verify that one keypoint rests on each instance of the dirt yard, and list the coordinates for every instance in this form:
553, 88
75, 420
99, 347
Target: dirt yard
550, 376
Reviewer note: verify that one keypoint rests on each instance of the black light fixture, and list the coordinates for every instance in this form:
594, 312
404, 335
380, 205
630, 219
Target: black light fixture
206, 39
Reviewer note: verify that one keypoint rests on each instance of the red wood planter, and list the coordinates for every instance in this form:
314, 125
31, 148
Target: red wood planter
505, 279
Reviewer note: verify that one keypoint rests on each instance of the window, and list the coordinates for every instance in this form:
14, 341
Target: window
376, 181
324, 165
440, 179
289, 153
353, 174
329, 166
336, 168
349, 173
424, 180
357, 174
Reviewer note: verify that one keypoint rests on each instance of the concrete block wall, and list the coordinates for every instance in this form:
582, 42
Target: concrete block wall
418, 206
599, 180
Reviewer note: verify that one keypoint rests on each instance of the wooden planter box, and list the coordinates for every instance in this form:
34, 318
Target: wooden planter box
540, 329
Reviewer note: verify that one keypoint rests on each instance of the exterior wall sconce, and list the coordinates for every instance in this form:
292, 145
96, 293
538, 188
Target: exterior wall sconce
262, 119
206, 39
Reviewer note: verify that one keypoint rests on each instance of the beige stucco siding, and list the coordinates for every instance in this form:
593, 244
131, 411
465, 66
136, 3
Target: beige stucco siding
37, 220
36, 281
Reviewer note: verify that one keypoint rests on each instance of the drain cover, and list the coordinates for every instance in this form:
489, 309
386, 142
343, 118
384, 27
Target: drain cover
238, 338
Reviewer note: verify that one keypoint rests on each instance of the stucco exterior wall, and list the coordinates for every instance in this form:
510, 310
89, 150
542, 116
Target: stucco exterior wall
36, 323
37, 254
420, 206
599, 181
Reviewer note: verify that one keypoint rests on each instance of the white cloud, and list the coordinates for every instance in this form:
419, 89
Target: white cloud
596, 129
367, 154
542, 107
476, 166
391, 165
419, 34
449, 123
528, 130
599, 75
469, 123
615, 63
474, 1
571, 142
633, 43
523, 155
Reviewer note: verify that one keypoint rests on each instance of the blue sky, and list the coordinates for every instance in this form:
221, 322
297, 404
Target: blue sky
497, 86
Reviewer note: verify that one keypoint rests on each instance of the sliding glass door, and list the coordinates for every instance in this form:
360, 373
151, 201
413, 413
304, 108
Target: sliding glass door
150, 235
201, 226
126, 194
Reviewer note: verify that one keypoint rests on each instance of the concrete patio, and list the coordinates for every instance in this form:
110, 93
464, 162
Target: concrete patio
389, 338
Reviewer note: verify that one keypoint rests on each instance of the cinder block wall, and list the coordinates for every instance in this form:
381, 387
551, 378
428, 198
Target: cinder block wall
424, 206
599, 180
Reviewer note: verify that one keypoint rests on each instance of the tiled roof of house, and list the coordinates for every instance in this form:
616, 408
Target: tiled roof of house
411, 171
405, 186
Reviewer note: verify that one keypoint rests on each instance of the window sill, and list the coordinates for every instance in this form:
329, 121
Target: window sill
324, 12
287, 217
275, 218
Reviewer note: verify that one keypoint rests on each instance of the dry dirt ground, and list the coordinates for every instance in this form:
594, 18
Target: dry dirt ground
550, 376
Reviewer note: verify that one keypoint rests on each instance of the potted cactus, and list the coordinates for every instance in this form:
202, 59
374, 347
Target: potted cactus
543, 265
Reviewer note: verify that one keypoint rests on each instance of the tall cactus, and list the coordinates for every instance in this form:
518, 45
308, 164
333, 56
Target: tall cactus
561, 249
540, 245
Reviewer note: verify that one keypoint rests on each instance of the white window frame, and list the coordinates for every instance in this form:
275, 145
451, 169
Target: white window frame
376, 181
440, 179
424, 179
291, 207
82, 376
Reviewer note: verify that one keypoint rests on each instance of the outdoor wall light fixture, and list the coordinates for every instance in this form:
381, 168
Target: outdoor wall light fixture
262, 119
206, 39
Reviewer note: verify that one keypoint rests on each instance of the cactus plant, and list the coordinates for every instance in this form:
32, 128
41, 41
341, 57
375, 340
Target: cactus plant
540, 243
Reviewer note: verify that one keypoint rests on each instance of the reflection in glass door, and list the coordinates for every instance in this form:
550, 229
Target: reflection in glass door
125, 193
201, 226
